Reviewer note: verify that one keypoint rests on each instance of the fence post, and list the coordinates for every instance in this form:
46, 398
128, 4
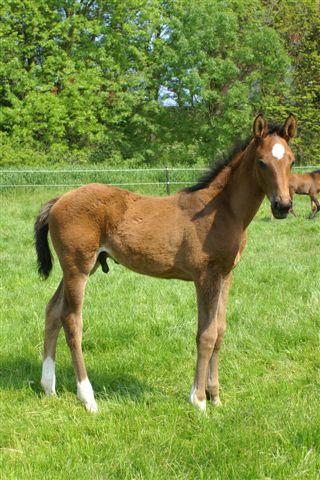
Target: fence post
167, 181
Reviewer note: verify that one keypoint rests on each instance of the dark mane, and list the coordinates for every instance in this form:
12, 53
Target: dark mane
219, 165
315, 171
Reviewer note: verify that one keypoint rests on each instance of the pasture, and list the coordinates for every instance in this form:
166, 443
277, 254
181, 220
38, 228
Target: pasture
139, 347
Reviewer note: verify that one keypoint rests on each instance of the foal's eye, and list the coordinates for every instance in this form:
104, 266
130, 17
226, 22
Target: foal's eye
262, 164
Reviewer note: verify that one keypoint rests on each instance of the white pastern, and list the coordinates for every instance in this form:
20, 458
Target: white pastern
201, 404
48, 377
86, 395
278, 151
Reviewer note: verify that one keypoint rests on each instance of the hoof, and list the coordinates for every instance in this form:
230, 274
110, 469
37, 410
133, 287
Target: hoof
200, 404
91, 407
48, 390
86, 395
216, 401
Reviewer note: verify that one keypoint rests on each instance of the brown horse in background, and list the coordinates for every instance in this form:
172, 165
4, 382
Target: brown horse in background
197, 234
306, 184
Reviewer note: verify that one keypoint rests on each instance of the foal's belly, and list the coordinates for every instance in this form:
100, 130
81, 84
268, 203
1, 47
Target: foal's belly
302, 190
147, 262
154, 246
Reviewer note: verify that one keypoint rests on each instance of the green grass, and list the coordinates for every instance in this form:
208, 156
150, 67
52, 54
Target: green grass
140, 353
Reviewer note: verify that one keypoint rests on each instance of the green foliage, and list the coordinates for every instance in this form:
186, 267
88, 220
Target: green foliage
298, 22
224, 65
87, 81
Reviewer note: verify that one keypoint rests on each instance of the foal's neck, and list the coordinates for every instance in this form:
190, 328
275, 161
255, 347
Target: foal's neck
241, 194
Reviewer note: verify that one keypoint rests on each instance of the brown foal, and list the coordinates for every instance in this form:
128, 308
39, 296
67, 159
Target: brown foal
307, 184
197, 234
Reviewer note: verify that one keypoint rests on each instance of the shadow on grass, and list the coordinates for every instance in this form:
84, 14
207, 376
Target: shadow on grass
18, 373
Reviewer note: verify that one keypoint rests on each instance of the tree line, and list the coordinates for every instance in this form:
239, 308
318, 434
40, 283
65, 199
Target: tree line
153, 81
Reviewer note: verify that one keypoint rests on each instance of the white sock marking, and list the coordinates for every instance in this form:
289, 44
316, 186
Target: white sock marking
278, 151
86, 395
48, 377
201, 404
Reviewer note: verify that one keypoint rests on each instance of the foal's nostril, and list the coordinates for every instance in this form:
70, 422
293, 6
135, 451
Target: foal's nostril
284, 207
281, 209
277, 205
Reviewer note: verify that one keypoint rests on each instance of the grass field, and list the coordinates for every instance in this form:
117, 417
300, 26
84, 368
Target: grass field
140, 352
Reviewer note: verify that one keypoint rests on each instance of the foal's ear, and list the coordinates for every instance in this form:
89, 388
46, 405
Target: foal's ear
260, 127
290, 127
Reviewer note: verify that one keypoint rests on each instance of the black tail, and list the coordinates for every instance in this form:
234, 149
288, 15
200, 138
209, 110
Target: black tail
41, 229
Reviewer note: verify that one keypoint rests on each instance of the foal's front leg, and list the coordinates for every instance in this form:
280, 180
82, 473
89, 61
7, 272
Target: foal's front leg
212, 387
208, 292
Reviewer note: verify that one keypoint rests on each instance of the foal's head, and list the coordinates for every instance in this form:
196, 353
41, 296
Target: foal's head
273, 161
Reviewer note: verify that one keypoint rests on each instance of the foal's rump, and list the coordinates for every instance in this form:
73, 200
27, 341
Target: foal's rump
78, 224
75, 222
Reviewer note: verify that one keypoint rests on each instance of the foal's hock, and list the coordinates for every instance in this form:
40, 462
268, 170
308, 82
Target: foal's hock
197, 234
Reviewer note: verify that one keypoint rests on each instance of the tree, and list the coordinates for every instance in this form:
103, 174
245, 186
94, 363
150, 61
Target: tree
174, 81
298, 22
223, 65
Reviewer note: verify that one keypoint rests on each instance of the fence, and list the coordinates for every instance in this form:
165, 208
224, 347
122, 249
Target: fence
165, 177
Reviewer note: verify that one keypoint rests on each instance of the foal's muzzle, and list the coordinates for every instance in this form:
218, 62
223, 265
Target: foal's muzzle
280, 209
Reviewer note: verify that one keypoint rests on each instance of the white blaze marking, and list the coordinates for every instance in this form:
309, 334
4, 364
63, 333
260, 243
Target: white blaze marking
86, 395
278, 151
48, 377
201, 404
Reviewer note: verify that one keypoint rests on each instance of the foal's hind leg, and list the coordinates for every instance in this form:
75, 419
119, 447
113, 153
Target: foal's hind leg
212, 387
74, 286
51, 332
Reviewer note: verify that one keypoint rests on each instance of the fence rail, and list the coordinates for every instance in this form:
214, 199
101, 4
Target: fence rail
146, 170
89, 170
162, 177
